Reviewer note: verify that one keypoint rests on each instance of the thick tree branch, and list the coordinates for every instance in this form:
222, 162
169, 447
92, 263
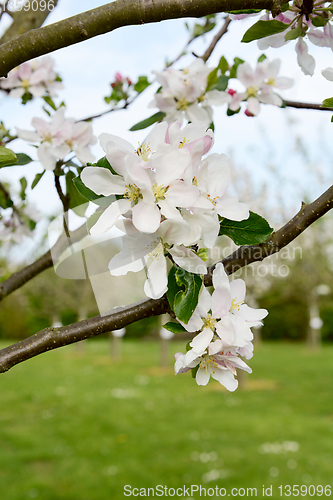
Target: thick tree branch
110, 17
26, 20
21, 277
51, 338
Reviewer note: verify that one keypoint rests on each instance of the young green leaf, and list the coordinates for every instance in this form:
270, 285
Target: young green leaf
183, 292
294, 33
7, 157
157, 117
141, 84
251, 231
76, 199
50, 102
24, 184
327, 103
261, 29
223, 65
174, 327
262, 58
23, 159
37, 179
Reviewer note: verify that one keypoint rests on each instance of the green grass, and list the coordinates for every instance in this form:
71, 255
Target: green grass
79, 426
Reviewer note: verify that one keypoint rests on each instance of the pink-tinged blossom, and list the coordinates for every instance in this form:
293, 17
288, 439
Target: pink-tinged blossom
184, 93
260, 84
58, 138
221, 366
155, 179
36, 77
306, 62
223, 316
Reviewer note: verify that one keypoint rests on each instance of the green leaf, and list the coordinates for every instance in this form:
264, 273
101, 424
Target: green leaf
327, 103
76, 199
233, 69
294, 33
319, 21
37, 179
262, 58
104, 162
251, 231
7, 157
50, 102
223, 65
141, 84
200, 29
211, 79
23, 159
261, 29
174, 327
5, 201
230, 112
183, 292
221, 83
148, 121
24, 184
194, 370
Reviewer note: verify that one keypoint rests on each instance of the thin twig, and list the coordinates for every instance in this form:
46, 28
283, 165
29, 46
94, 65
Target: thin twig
216, 39
306, 105
52, 338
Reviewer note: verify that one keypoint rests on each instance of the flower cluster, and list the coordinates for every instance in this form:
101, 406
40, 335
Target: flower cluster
170, 197
59, 138
121, 87
16, 224
224, 324
300, 22
32, 79
184, 93
260, 84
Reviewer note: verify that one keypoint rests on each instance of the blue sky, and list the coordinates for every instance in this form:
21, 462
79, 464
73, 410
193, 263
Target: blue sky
271, 142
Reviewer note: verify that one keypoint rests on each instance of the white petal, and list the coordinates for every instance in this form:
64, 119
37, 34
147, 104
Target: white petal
157, 282
202, 377
328, 74
202, 340
238, 290
146, 217
306, 62
102, 181
226, 378
221, 302
110, 216
229, 207
188, 260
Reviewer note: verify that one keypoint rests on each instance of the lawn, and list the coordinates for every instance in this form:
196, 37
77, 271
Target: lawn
81, 426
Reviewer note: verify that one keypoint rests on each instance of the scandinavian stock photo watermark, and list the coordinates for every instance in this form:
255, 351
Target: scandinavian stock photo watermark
194, 491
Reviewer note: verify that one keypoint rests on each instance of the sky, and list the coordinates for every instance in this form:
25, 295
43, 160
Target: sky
284, 153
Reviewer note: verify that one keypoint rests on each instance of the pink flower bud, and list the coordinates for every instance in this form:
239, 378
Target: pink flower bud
248, 113
118, 77
231, 92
